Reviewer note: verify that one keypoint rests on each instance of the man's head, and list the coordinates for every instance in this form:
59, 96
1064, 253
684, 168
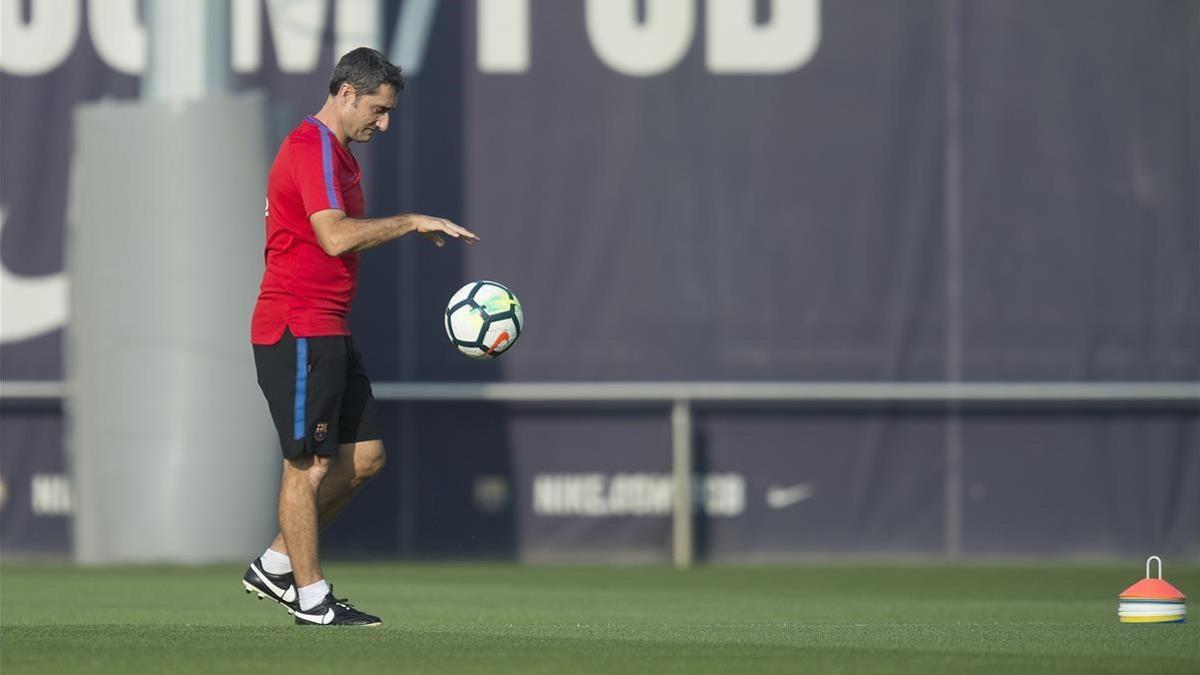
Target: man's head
364, 88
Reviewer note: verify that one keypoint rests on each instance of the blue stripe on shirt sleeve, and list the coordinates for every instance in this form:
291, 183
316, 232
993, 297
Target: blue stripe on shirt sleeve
327, 165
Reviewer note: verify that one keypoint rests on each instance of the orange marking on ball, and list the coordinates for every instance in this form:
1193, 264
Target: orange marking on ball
500, 339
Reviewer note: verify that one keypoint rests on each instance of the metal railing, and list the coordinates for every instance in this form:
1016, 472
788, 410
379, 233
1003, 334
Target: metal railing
819, 392
681, 396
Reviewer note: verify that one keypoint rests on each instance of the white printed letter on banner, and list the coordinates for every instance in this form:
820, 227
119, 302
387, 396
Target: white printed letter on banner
640, 49
736, 44
42, 44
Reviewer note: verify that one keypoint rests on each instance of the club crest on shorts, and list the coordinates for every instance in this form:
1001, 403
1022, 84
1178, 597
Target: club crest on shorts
321, 430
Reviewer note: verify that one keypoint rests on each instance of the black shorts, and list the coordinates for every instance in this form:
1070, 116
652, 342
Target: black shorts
318, 393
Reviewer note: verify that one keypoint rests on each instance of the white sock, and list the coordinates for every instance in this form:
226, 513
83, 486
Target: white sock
313, 594
274, 562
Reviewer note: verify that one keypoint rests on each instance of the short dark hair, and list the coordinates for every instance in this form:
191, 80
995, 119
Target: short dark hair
366, 70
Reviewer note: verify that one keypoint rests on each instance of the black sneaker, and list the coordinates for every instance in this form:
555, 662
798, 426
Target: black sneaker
278, 587
335, 612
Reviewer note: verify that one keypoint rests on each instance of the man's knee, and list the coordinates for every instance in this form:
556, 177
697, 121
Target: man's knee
376, 460
369, 460
310, 468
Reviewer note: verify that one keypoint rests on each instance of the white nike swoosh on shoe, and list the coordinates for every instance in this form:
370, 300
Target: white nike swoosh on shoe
317, 618
279, 592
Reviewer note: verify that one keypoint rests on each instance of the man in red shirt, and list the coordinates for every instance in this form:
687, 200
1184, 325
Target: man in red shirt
312, 377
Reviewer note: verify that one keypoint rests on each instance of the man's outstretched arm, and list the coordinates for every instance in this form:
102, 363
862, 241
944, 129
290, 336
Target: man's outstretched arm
339, 234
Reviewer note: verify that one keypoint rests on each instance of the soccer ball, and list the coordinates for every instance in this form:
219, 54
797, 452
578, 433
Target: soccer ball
484, 319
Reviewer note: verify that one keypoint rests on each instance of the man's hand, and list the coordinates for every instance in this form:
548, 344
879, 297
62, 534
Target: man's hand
339, 235
433, 227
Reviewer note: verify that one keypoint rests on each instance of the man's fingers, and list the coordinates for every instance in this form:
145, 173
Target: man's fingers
448, 227
457, 231
466, 234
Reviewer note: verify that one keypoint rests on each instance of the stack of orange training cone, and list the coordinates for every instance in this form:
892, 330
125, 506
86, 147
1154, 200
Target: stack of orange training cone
1152, 600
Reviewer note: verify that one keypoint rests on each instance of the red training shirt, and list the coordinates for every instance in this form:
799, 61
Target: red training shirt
303, 288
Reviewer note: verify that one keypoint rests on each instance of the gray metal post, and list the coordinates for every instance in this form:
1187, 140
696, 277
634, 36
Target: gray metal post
681, 470
954, 283
171, 452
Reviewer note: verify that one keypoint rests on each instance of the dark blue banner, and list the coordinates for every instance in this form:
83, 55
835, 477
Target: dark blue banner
787, 190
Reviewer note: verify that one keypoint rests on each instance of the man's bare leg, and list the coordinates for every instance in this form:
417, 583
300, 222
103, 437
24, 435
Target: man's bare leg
356, 464
302, 479
298, 519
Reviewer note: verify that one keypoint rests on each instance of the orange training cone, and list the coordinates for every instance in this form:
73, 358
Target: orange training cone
1152, 600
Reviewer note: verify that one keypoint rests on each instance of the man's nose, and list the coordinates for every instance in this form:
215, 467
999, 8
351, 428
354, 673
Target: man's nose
383, 121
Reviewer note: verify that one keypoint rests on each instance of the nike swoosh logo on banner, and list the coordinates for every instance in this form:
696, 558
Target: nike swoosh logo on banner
31, 305
783, 497
279, 592
317, 618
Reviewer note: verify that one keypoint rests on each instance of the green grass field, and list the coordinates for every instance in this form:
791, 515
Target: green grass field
511, 619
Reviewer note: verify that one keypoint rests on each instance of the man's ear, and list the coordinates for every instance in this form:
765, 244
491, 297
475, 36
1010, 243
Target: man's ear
346, 93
